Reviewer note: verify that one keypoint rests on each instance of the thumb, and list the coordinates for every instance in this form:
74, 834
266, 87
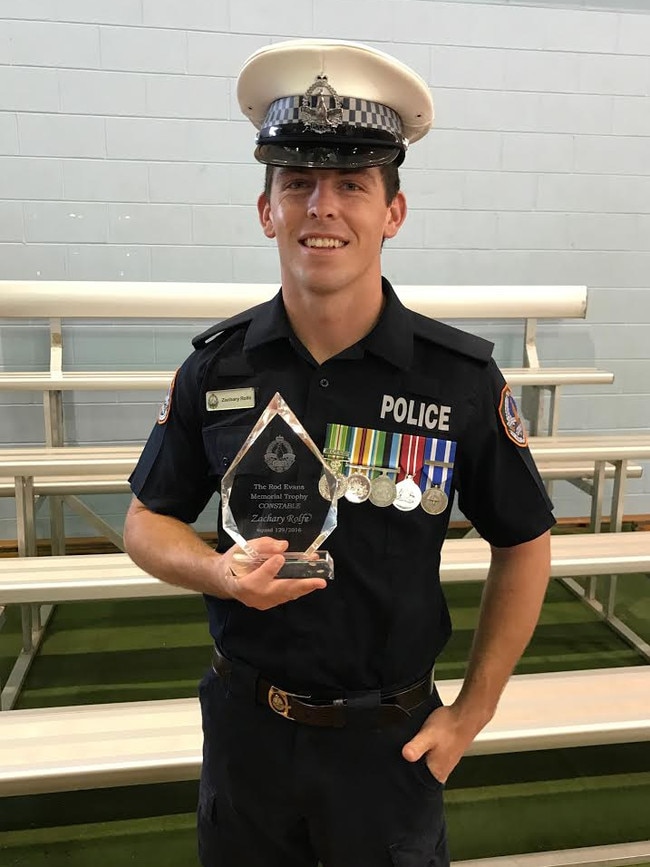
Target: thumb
415, 748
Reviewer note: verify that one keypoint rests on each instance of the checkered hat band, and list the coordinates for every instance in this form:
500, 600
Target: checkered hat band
355, 112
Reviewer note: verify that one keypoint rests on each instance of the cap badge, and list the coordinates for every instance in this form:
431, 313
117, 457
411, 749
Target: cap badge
321, 117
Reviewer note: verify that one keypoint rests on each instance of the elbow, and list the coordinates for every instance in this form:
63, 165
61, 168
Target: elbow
132, 525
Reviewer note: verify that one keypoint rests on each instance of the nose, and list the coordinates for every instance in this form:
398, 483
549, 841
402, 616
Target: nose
323, 201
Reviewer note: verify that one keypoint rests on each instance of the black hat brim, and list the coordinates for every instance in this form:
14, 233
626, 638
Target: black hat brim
323, 155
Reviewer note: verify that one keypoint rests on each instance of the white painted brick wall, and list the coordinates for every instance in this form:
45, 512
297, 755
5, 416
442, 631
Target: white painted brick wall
123, 155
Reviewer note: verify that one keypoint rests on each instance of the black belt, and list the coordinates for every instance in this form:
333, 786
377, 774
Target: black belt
392, 707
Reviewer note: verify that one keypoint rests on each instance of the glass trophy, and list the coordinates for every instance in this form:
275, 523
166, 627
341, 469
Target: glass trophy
279, 485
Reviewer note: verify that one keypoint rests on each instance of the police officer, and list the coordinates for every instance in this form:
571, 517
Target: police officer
324, 739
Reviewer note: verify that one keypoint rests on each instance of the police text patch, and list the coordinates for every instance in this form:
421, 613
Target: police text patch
415, 413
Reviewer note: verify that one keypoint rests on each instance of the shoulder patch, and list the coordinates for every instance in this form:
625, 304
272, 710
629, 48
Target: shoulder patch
202, 340
452, 338
166, 405
510, 418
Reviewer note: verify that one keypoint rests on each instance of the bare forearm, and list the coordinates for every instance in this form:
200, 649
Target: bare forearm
510, 607
172, 551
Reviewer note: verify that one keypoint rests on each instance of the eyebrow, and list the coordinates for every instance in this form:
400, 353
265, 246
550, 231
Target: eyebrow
301, 170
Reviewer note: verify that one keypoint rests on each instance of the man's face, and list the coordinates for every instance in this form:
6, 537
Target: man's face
329, 225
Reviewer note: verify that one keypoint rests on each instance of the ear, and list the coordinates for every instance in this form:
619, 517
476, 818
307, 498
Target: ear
264, 214
395, 215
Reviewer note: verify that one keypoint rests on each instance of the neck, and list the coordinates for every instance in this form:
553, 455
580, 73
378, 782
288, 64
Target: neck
326, 324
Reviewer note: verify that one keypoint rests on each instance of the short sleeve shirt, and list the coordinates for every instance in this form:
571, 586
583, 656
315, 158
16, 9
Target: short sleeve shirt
429, 393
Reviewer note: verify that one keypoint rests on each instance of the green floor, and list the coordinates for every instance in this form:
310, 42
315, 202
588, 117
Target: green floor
109, 651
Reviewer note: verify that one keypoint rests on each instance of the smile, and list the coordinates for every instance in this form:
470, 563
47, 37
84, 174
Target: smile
329, 243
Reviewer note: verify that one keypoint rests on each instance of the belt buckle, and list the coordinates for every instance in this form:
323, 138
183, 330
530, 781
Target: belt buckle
278, 701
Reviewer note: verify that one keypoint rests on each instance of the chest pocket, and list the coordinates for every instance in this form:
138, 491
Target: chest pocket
222, 445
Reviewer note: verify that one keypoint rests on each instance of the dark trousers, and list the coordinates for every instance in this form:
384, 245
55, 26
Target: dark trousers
275, 793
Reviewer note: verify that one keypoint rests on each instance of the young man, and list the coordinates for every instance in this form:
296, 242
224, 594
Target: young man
348, 768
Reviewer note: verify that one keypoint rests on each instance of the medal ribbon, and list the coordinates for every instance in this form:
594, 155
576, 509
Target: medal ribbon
382, 451
411, 458
358, 457
426, 477
442, 452
376, 450
338, 438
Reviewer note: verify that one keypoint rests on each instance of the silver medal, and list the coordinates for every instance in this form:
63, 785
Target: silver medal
335, 460
341, 486
382, 491
324, 488
408, 495
358, 488
434, 501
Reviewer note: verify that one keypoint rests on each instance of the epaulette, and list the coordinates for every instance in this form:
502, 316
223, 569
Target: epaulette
234, 322
452, 338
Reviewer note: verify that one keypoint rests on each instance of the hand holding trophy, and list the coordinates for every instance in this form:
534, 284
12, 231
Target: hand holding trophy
280, 486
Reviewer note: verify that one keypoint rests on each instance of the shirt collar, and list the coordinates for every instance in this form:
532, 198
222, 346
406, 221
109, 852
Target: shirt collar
391, 338
269, 323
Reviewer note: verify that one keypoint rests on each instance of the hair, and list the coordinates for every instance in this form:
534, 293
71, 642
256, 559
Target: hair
389, 176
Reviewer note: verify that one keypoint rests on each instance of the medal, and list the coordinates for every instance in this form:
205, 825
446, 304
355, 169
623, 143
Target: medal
382, 491
324, 488
438, 467
408, 495
335, 457
408, 491
434, 501
357, 488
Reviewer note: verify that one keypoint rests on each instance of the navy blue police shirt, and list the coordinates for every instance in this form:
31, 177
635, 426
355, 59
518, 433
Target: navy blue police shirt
383, 619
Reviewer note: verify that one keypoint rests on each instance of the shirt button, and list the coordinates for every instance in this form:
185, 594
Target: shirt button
225, 462
324, 383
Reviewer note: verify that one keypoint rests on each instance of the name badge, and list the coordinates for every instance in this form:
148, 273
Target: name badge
230, 398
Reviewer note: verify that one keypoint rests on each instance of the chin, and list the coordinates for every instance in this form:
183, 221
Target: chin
321, 282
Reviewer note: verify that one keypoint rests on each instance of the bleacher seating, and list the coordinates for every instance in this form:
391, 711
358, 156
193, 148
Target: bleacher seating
31, 582
66, 748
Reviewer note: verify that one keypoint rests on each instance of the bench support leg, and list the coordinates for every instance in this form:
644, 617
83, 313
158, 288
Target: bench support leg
55, 436
532, 408
606, 611
615, 526
25, 519
612, 621
33, 632
94, 520
595, 524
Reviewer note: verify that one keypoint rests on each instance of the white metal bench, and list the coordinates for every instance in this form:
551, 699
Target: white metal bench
58, 301
61, 300
31, 582
115, 484
23, 465
613, 855
95, 746
70, 488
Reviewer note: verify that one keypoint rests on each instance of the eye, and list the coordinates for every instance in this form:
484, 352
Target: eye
296, 184
351, 185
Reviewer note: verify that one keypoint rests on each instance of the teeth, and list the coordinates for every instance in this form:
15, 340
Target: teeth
323, 242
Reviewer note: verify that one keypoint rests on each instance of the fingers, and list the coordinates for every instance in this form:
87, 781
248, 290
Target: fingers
302, 586
255, 583
267, 545
416, 747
